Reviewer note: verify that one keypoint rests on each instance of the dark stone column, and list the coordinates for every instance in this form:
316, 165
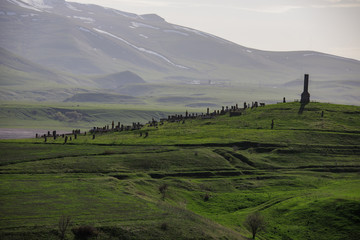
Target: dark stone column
305, 96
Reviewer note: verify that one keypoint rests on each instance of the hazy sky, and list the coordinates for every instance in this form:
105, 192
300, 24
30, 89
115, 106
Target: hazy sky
330, 26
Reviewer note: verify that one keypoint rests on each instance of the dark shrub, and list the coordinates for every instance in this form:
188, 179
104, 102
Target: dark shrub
84, 232
162, 189
164, 226
206, 197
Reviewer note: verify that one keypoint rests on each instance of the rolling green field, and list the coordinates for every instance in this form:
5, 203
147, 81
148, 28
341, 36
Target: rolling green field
302, 176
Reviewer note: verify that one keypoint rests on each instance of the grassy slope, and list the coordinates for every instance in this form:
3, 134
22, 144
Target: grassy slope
302, 176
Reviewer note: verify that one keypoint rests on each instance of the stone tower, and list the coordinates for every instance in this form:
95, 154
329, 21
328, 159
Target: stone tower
305, 96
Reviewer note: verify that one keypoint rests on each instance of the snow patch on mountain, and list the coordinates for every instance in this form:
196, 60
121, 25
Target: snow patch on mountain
89, 20
23, 5
174, 31
88, 31
68, 5
10, 13
144, 36
141, 49
39, 3
325, 55
139, 25
29, 15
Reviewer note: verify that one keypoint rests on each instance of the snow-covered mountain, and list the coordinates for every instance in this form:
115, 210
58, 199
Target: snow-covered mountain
84, 39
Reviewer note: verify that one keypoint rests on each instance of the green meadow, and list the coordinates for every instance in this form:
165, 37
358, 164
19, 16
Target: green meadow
302, 176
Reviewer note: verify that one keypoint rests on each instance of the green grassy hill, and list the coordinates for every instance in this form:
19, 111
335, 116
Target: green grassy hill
302, 176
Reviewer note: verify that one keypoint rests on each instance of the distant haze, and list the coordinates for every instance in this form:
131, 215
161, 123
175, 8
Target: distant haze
51, 50
330, 26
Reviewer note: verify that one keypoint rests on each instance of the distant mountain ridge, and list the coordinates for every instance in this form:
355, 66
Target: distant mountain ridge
83, 41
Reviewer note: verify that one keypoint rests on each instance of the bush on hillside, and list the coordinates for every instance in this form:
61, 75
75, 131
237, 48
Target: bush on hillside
162, 189
206, 197
84, 232
164, 226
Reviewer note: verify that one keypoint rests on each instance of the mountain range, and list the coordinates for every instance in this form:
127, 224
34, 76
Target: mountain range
70, 48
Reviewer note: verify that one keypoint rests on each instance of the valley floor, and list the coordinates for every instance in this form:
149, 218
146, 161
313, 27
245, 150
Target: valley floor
20, 133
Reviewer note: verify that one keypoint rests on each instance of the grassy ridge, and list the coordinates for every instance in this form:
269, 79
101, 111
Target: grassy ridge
338, 126
302, 176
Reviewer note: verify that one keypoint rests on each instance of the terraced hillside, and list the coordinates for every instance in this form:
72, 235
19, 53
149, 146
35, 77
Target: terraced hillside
192, 179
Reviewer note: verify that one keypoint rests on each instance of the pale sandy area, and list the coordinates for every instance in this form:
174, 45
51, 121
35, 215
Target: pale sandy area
17, 133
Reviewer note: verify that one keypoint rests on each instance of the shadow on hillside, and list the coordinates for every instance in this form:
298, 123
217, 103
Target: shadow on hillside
302, 107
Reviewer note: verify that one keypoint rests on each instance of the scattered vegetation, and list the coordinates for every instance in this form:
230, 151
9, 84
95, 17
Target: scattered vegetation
302, 177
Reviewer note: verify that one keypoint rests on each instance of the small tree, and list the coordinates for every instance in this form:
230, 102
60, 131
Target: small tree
255, 223
64, 223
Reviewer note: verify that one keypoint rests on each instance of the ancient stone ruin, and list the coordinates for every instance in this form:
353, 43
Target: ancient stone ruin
232, 111
305, 96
